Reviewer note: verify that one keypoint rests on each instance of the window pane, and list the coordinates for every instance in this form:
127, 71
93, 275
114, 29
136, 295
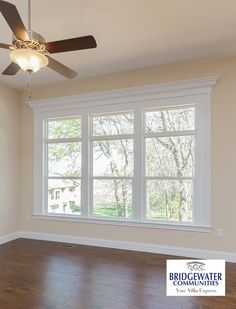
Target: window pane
64, 159
170, 156
67, 128
112, 198
113, 158
113, 124
178, 119
64, 196
169, 200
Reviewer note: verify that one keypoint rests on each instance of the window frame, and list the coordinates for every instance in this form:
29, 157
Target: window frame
197, 92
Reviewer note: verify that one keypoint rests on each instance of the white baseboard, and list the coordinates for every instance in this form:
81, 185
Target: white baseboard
9, 237
125, 245
133, 246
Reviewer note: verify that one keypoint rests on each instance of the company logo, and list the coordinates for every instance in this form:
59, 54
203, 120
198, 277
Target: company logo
196, 266
195, 278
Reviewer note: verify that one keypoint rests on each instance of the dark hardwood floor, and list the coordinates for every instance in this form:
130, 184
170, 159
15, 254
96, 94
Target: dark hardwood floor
47, 275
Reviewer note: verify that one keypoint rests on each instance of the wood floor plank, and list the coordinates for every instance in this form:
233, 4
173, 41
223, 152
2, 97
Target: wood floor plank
46, 275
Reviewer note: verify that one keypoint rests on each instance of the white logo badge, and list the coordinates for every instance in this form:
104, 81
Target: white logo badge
195, 278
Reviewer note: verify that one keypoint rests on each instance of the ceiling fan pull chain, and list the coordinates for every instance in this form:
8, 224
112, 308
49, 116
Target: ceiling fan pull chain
29, 90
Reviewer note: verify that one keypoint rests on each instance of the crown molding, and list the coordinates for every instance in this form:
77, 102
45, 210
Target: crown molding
127, 95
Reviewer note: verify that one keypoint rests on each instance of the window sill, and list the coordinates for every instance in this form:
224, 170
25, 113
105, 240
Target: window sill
129, 223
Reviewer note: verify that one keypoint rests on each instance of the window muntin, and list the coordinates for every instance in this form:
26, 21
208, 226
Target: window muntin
170, 152
113, 154
63, 168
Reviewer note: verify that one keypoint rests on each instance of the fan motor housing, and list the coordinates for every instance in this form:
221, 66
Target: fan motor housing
34, 35
35, 43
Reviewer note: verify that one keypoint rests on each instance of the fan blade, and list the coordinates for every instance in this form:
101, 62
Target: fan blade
12, 69
5, 46
12, 17
83, 42
61, 68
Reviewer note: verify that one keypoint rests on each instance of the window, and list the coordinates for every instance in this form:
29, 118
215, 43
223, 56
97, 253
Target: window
113, 155
138, 158
57, 194
63, 157
169, 151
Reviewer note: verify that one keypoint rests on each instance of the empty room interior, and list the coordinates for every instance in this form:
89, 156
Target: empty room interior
117, 161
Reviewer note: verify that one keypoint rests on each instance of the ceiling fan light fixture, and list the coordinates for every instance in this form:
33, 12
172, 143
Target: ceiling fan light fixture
29, 60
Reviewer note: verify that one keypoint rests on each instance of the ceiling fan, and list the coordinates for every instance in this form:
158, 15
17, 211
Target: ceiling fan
29, 50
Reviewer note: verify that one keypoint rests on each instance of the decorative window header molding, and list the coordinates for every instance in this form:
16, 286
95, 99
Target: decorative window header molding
127, 95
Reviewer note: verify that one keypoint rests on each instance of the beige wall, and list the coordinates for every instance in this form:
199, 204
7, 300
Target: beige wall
223, 145
9, 160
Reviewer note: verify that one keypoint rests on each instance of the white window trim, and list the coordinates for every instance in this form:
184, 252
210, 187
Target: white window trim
150, 96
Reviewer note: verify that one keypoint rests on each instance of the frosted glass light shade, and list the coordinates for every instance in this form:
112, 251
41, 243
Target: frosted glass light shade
29, 60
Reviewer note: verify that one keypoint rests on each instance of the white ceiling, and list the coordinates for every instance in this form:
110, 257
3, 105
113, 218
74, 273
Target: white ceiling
130, 34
